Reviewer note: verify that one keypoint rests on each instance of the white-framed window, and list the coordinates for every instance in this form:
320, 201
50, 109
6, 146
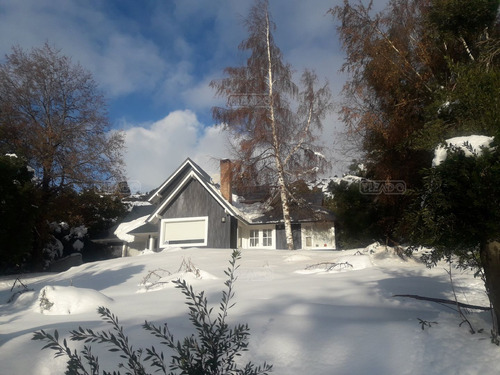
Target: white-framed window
267, 237
254, 238
261, 237
189, 231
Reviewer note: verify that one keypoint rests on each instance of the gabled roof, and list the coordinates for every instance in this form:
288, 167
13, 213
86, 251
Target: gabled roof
173, 185
187, 164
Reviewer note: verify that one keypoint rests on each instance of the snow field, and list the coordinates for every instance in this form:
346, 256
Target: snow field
307, 313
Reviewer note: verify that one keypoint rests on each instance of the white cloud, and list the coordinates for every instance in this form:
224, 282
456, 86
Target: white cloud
155, 151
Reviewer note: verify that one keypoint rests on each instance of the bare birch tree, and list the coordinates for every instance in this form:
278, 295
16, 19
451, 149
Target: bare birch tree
274, 123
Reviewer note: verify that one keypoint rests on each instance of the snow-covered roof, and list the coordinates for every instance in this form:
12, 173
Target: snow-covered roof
136, 218
474, 143
250, 212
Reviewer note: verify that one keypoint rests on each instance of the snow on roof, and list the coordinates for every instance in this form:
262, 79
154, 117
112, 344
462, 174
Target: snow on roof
249, 212
135, 218
325, 182
466, 143
127, 226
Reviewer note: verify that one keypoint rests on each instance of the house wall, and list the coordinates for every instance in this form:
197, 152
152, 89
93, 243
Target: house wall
244, 235
139, 244
318, 235
281, 236
194, 201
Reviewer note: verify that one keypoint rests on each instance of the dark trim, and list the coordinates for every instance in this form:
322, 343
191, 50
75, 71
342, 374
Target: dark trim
180, 242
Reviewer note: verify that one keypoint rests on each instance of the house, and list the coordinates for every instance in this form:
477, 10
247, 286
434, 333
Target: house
189, 210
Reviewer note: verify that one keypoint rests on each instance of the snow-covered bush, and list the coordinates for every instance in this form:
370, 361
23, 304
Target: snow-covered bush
457, 215
64, 240
213, 349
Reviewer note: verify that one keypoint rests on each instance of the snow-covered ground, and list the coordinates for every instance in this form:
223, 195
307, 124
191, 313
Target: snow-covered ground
303, 319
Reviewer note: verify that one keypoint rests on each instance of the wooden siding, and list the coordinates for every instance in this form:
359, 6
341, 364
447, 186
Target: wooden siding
173, 184
192, 201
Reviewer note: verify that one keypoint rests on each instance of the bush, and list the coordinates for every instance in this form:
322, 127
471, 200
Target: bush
17, 213
357, 215
211, 351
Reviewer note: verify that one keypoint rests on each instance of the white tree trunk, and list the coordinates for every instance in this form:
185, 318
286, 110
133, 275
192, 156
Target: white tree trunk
279, 165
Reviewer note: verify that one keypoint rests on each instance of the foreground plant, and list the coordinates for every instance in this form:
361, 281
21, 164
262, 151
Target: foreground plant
213, 350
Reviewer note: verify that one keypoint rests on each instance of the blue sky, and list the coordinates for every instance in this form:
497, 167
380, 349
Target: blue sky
153, 59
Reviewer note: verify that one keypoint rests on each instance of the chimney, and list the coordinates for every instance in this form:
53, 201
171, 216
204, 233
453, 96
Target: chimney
226, 177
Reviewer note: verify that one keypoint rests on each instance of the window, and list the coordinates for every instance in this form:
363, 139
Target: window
309, 241
191, 231
261, 238
267, 237
254, 238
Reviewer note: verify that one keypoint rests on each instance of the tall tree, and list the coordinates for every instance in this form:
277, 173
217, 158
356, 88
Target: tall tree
392, 66
457, 210
424, 71
53, 114
274, 122
392, 69
399, 61
54, 117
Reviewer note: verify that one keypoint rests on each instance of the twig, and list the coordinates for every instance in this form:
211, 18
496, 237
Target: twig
18, 280
19, 292
330, 265
457, 303
148, 283
425, 323
445, 301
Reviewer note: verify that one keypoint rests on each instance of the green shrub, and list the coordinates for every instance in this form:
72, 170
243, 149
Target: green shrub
212, 350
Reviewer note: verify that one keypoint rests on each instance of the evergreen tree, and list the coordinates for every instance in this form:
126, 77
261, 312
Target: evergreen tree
424, 71
408, 66
17, 212
457, 214
356, 214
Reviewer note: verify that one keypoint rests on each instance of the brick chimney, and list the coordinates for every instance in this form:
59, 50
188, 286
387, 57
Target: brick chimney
226, 177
